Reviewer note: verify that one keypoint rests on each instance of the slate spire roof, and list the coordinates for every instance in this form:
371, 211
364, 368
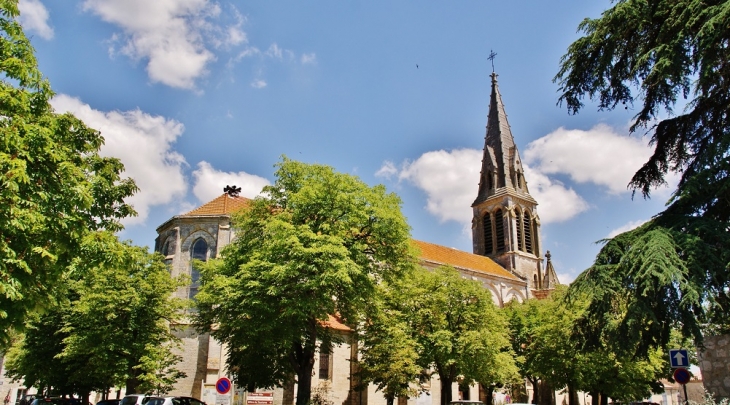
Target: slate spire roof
501, 163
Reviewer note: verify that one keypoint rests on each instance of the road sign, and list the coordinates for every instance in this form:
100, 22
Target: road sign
681, 376
223, 385
260, 398
678, 358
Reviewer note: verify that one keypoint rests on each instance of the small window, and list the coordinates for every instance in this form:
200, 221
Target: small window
325, 364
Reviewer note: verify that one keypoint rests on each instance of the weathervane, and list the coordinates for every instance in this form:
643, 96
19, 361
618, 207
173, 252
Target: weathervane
491, 57
232, 191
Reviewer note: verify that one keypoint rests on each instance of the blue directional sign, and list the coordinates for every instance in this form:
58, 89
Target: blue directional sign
678, 358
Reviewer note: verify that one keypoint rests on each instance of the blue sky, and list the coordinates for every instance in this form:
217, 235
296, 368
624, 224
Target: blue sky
196, 94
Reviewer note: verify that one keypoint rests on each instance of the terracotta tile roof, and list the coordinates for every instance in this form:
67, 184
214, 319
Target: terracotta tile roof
334, 323
445, 255
225, 204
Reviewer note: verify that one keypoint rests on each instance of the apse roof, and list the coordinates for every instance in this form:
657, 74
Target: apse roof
222, 205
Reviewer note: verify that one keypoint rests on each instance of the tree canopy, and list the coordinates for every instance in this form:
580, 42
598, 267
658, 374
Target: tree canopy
54, 186
313, 246
674, 271
112, 329
460, 333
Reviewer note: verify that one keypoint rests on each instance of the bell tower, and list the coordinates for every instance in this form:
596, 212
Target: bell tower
505, 224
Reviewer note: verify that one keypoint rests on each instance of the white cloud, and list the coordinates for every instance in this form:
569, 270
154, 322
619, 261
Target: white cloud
388, 170
309, 58
144, 144
274, 51
209, 182
172, 36
566, 278
600, 155
34, 17
557, 203
258, 84
626, 227
450, 180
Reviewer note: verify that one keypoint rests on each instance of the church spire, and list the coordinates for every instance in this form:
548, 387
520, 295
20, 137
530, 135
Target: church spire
501, 164
505, 226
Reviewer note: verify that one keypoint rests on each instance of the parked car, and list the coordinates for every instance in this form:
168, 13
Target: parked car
109, 402
172, 401
55, 401
133, 399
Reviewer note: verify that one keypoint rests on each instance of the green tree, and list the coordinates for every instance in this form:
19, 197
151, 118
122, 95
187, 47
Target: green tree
54, 186
314, 245
672, 272
114, 327
459, 331
126, 335
389, 352
34, 358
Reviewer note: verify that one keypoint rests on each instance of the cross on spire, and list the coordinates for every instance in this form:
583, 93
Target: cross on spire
491, 57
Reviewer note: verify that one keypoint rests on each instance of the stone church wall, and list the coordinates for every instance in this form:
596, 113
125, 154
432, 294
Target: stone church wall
715, 365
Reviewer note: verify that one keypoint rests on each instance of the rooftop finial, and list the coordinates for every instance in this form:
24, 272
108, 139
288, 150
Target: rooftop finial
232, 191
491, 57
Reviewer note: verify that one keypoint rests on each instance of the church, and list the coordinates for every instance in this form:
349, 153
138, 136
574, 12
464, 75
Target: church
506, 260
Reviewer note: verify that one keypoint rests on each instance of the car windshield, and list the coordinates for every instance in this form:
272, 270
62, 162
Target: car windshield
153, 401
129, 400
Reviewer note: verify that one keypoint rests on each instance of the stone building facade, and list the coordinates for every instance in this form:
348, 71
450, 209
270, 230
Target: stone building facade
506, 261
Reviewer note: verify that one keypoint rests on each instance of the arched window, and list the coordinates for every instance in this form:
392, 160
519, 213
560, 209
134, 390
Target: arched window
534, 280
488, 239
520, 245
166, 249
199, 251
499, 230
527, 223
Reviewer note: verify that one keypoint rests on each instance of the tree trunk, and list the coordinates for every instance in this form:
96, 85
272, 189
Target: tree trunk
604, 399
389, 400
489, 394
535, 390
132, 382
595, 398
445, 390
304, 386
572, 395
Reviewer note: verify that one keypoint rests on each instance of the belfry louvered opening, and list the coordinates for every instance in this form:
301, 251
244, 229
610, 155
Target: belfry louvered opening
499, 230
527, 223
520, 245
488, 239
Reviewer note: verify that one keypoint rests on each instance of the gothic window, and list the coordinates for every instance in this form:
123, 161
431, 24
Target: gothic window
488, 239
166, 249
534, 281
520, 245
199, 251
499, 230
527, 223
